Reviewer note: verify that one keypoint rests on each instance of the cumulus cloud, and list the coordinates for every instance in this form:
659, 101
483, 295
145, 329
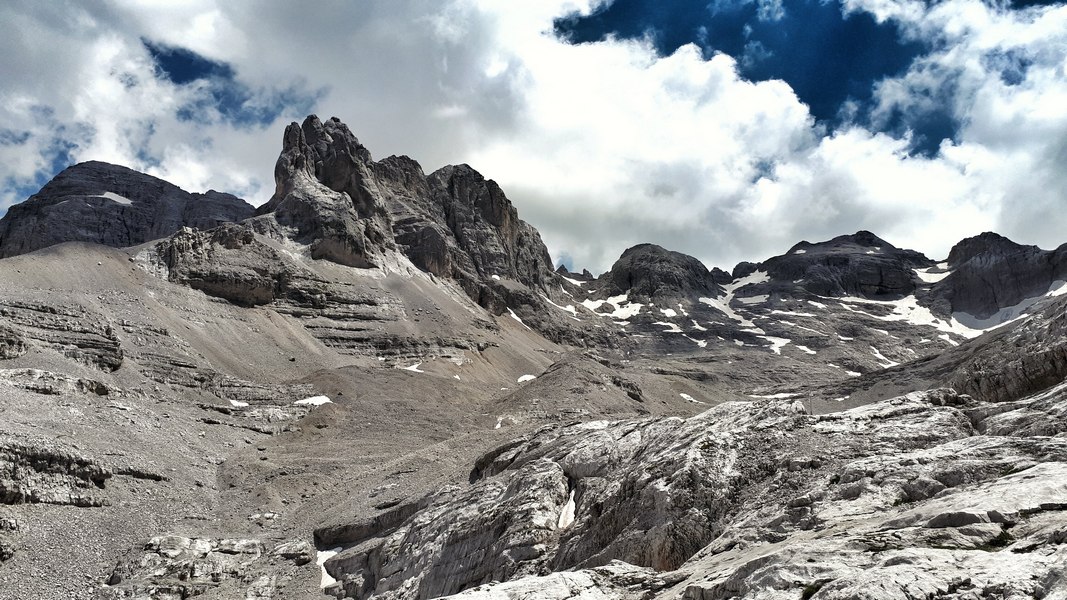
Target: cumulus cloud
600, 145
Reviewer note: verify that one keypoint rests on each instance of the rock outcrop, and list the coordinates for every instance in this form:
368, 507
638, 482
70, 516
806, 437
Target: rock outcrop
111, 205
742, 499
34, 472
650, 273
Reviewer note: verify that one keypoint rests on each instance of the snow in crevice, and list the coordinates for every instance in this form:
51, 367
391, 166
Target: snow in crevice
414, 368
566, 516
884, 362
790, 313
698, 326
567, 309
575, 281
701, 343
798, 326
315, 401
804, 349
516, 317
320, 559
723, 304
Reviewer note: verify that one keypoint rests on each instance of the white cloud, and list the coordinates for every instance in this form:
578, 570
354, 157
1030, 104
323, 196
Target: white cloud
599, 145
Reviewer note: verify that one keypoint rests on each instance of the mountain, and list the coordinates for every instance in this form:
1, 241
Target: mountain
111, 205
375, 385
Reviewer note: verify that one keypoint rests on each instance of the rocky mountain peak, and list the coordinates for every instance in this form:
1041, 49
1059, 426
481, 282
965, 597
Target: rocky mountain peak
860, 264
993, 278
986, 244
648, 271
112, 205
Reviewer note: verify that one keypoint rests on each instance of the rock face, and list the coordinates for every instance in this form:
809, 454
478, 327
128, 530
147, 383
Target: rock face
454, 223
650, 273
989, 273
111, 205
861, 264
325, 192
741, 500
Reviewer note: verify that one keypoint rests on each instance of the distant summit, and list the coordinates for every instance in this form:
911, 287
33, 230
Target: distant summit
111, 205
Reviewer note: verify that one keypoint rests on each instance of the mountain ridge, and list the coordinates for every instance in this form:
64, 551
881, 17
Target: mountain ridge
377, 386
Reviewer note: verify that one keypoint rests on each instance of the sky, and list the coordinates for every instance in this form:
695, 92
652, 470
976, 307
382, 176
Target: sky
728, 130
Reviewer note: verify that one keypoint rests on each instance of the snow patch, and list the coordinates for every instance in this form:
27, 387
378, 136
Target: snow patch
526, 378
777, 343
623, 308
753, 299
414, 368
689, 398
238, 403
948, 339
801, 251
908, 310
929, 277
669, 312
816, 304
315, 401
574, 281
117, 199
790, 313
804, 349
853, 373
778, 396
496, 277
698, 326
671, 327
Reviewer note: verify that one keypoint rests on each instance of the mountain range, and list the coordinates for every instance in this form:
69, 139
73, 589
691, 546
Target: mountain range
376, 385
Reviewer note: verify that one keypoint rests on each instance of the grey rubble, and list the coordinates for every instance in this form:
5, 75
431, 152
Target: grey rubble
376, 386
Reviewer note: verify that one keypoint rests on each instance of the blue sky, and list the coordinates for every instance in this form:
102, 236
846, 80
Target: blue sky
728, 130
